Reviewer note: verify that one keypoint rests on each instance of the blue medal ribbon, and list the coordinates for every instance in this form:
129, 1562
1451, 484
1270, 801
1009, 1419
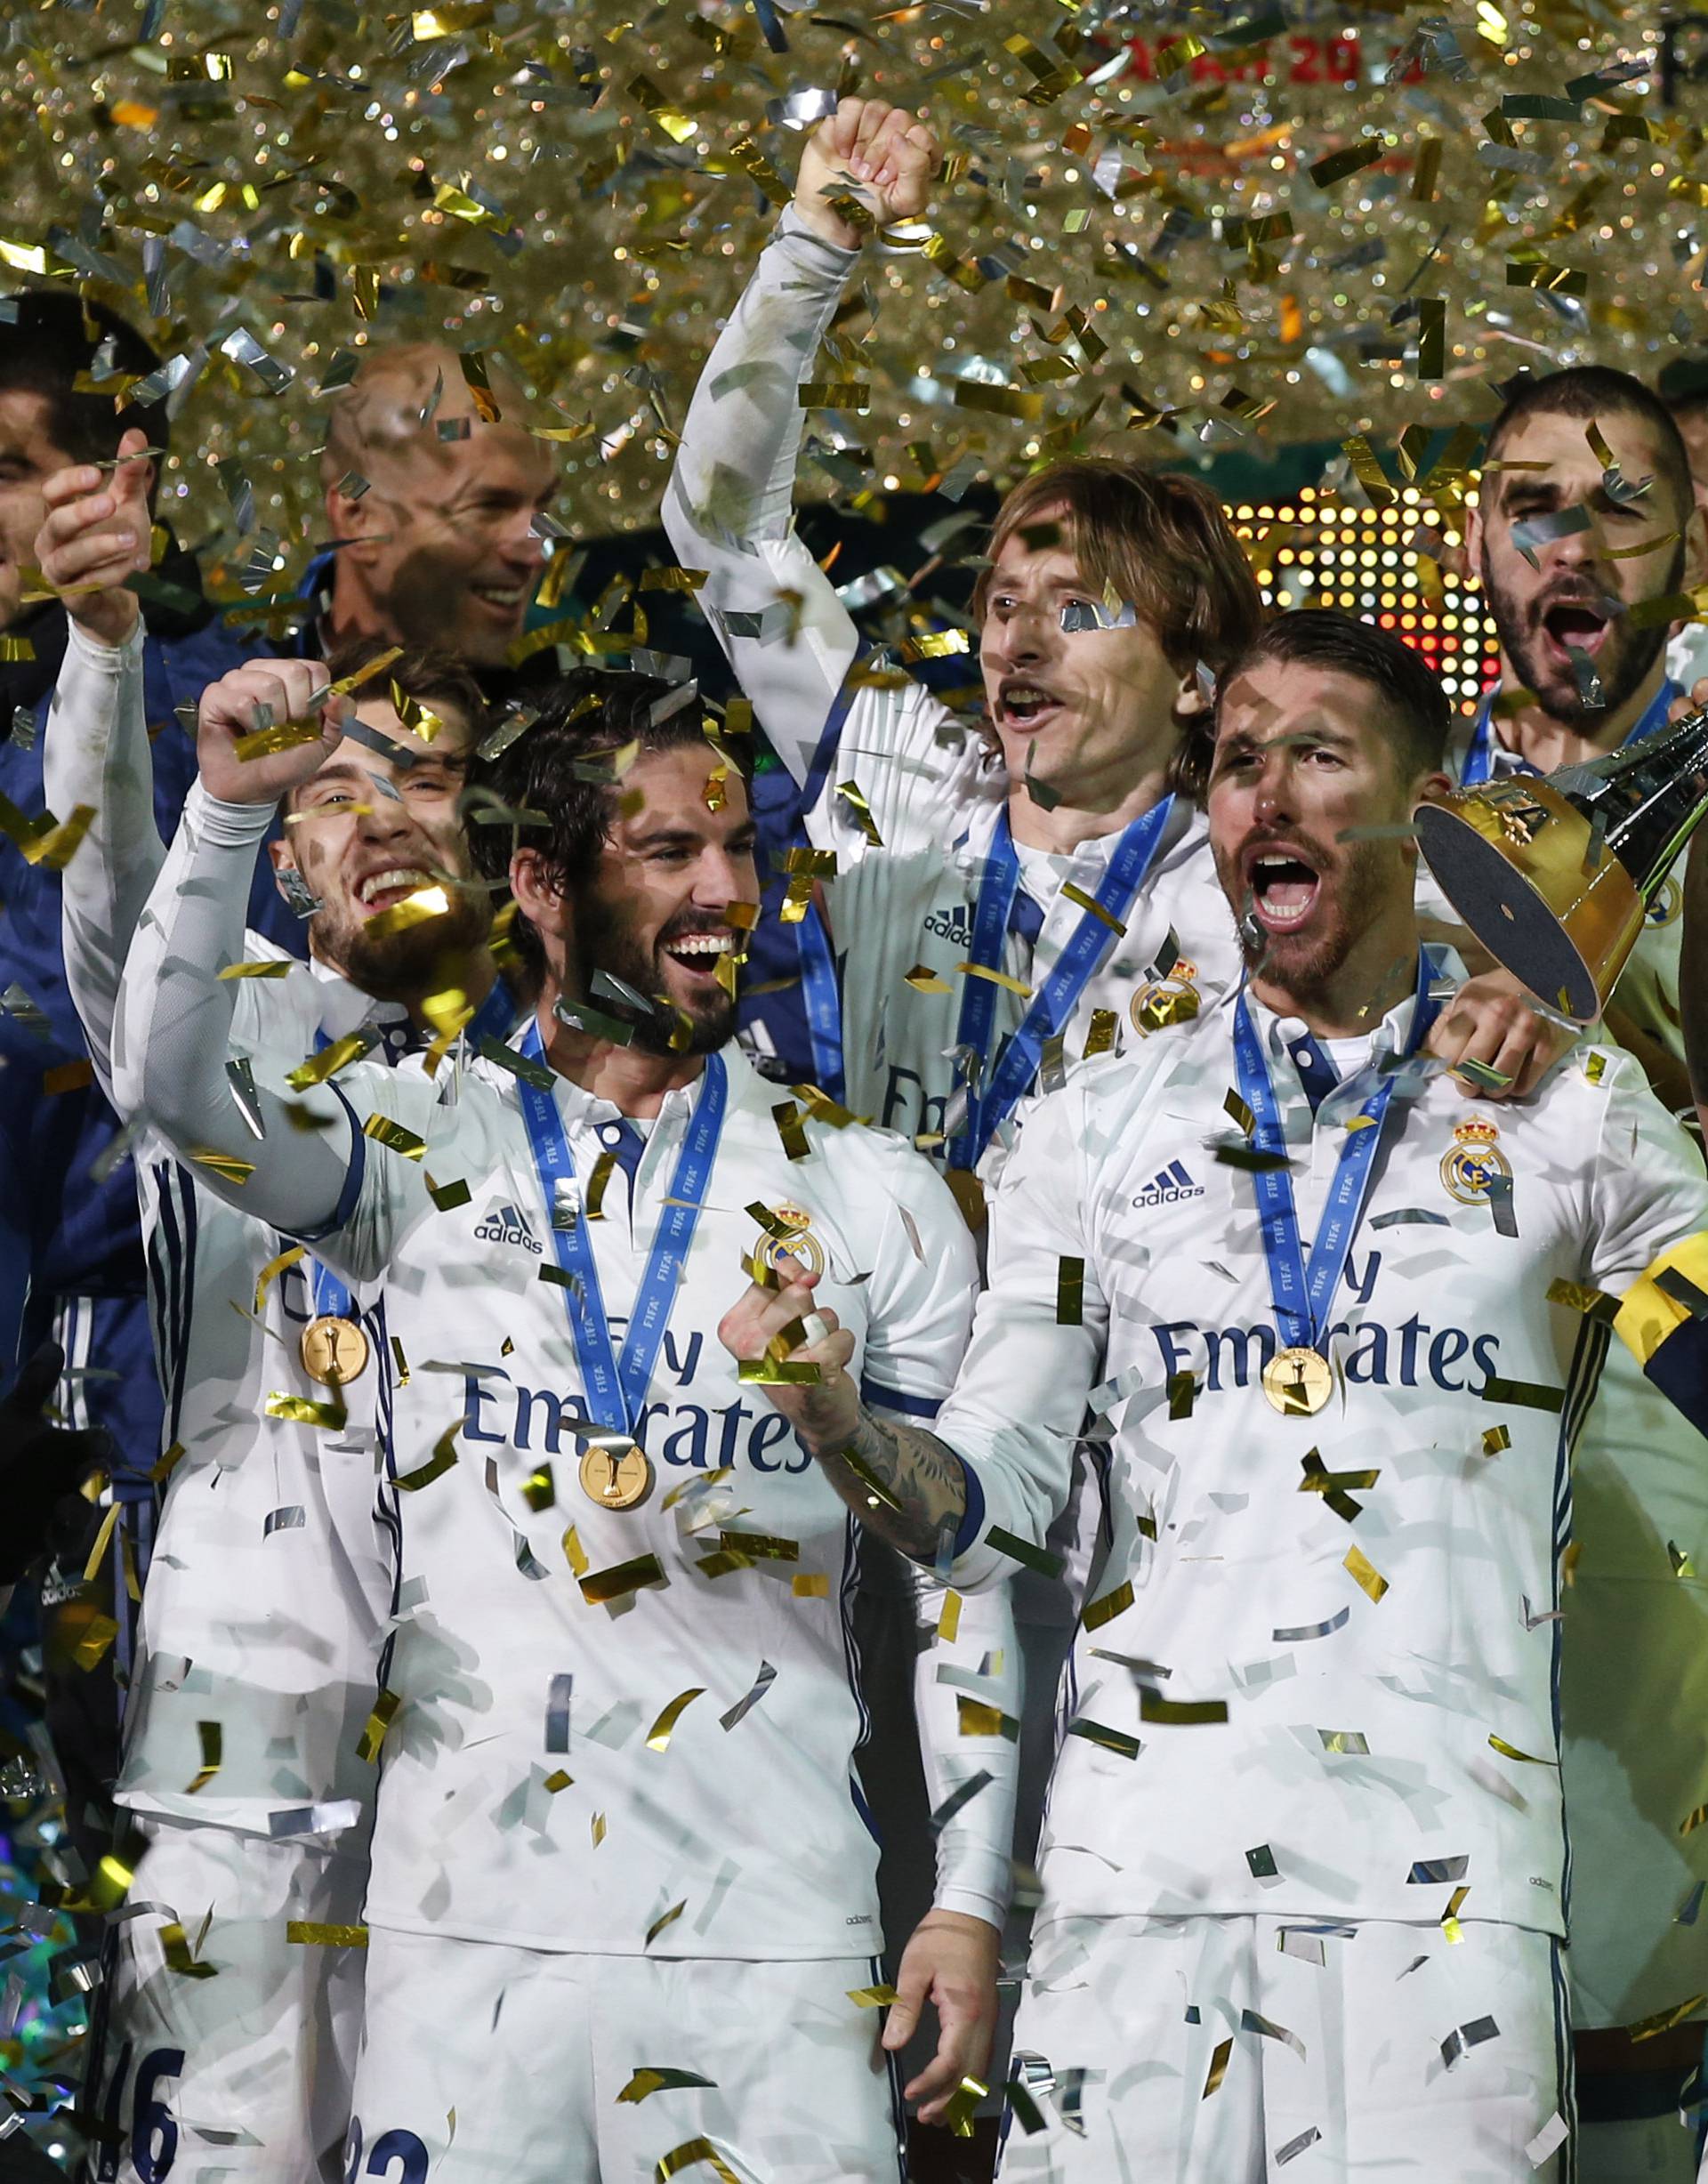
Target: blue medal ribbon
822, 1003
1480, 758
616, 1385
1303, 1294
1015, 1064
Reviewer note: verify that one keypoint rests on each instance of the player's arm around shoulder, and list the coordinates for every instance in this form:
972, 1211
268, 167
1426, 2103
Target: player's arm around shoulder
1646, 1227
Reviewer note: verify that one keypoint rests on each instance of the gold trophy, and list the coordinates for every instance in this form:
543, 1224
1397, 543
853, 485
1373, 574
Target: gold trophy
1554, 875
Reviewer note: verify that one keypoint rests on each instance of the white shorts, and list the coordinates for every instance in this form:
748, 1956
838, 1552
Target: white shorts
245, 2075
1330, 2054
482, 2061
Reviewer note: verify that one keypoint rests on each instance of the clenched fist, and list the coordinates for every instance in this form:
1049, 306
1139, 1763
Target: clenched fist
882, 155
263, 694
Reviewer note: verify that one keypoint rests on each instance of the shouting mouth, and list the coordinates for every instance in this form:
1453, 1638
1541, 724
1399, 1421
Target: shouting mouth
1025, 707
1284, 886
1574, 626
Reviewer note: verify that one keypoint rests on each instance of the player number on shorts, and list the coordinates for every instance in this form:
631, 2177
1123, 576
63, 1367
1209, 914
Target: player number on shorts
153, 2133
397, 2155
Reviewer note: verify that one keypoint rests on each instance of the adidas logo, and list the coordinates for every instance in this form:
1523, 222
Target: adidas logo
1169, 1186
953, 925
509, 1225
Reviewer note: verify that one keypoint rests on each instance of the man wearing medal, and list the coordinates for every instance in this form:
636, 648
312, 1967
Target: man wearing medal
992, 894
619, 1708
1305, 1856
1587, 510
270, 1586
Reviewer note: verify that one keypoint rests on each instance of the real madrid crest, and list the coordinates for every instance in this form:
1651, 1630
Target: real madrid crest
1667, 903
1474, 1161
798, 1244
1161, 1002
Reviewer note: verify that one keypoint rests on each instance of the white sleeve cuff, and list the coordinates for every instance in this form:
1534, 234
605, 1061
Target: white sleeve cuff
113, 658
237, 826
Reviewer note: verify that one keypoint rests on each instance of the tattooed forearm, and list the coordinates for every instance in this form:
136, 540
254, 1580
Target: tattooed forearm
906, 1484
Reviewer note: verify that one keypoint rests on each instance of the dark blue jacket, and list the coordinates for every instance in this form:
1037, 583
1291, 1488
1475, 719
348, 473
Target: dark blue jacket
75, 1232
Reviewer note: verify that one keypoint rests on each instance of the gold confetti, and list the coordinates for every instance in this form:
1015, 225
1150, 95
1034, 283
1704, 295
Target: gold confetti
385, 1709
317, 1067
647, 2079
302, 1411
1364, 1574
665, 1919
268, 969
996, 977
1511, 1751
810, 1585
211, 1738
316, 1935
1218, 2068
687, 2154
873, 1997
396, 1136
600, 1586
1109, 1607
442, 1460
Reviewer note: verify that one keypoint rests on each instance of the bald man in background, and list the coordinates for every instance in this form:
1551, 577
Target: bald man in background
436, 491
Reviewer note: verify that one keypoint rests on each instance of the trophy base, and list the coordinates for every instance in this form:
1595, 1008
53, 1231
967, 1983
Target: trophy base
1515, 861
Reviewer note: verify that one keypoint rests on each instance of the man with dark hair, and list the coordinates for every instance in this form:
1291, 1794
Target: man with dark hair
1587, 513
1304, 1871
603, 1531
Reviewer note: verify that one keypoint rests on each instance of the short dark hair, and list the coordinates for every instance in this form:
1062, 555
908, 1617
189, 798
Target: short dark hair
50, 338
431, 678
1590, 390
553, 767
1416, 715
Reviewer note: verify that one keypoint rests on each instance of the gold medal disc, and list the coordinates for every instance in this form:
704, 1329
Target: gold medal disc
334, 1351
1297, 1381
615, 1477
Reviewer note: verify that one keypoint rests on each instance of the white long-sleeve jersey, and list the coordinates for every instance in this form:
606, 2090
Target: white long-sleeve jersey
562, 1772
1634, 1614
934, 793
1326, 1697
270, 1581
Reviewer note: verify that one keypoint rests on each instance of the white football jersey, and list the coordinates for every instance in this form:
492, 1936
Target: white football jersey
270, 1581
1318, 1673
1634, 1611
904, 904
566, 1771
663, 1759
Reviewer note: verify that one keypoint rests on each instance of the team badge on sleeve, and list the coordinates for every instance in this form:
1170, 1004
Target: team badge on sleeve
1160, 1004
797, 1244
1474, 1163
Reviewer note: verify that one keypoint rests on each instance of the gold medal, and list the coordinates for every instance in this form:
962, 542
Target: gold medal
615, 1477
1297, 1381
334, 1351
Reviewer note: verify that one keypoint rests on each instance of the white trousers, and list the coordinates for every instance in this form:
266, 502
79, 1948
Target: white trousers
483, 2061
244, 2074
1259, 2050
